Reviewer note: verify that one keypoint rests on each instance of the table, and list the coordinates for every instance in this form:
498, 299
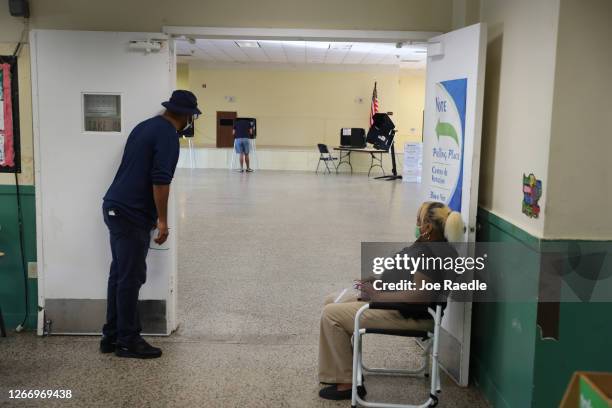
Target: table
345, 157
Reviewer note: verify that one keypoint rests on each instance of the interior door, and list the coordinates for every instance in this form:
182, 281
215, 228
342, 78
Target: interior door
451, 158
225, 126
89, 90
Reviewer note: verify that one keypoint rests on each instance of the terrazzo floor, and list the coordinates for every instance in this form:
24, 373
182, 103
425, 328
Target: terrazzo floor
258, 253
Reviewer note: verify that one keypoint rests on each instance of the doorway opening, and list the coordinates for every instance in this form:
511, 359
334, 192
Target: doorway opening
302, 86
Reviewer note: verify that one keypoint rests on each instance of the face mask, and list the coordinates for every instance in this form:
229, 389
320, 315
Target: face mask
188, 125
417, 232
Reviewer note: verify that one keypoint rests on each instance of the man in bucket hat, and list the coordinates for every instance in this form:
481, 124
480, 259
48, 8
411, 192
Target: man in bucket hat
135, 204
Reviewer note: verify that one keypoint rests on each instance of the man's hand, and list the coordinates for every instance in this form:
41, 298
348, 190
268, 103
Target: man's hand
160, 196
162, 233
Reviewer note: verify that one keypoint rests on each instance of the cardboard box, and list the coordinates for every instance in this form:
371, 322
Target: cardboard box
588, 390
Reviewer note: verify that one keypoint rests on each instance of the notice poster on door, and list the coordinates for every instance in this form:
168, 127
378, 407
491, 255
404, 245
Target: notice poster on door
446, 154
9, 160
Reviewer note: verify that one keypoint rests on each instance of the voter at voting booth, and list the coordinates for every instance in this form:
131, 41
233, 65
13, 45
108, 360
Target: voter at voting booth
243, 131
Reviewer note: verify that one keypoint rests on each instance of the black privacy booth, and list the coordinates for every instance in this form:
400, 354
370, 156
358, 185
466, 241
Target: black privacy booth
381, 135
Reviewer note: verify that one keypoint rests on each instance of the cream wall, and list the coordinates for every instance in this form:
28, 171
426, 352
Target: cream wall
409, 115
519, 85
465, 13
182, 76
580, 178
302, 107
151, 15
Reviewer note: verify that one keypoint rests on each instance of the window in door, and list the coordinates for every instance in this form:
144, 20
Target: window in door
102, 112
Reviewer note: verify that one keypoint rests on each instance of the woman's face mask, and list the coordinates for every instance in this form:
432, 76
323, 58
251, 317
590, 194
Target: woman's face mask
417, 231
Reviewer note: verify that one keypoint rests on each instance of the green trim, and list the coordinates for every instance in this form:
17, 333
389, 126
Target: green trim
508, 228
7, 189
487, 385
11, 272
14, 315
485, 215
539, 377
501, 331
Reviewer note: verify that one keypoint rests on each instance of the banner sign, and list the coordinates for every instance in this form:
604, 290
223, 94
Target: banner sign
447, 148
9, 117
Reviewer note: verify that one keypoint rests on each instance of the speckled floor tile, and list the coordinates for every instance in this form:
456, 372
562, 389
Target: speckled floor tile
257, 254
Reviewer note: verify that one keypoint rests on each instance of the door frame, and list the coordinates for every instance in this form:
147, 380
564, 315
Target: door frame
299, 34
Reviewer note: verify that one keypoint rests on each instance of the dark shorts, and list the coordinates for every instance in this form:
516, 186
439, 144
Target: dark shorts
242, 145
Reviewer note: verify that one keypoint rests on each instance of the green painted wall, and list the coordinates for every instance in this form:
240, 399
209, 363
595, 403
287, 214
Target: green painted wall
11, 275
511, 362
585, 333
503, 334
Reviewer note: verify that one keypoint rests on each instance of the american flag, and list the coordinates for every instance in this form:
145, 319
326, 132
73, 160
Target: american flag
374, 106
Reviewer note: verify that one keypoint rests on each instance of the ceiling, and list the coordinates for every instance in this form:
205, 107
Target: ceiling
301, 52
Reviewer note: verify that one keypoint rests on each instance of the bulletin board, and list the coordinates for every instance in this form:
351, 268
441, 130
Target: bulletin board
10, 157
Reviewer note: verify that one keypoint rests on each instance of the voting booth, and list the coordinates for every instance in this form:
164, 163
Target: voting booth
83, 114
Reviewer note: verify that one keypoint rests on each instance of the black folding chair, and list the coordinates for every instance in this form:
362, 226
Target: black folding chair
325, 157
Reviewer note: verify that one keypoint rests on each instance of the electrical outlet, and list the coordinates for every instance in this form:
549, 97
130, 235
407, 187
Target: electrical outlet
32, 270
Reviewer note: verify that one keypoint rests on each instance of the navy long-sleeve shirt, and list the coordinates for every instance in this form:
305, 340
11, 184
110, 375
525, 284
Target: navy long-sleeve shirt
149, 158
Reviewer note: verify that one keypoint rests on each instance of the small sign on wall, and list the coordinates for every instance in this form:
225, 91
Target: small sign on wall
413, 162
532, 191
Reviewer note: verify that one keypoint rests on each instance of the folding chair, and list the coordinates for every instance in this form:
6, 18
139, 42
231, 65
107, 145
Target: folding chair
430, 351
325, 157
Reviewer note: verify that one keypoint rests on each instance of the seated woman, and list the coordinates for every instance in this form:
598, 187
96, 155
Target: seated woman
436, 222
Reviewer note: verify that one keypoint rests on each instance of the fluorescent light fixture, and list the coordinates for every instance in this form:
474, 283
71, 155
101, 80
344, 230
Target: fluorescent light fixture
317, 45
340, 46
247, 44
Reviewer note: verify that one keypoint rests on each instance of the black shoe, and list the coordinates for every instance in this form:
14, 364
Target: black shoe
332, 393
108, 344
249, 170
139, 349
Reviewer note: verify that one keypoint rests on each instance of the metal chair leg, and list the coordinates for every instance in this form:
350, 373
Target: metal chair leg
327, 166
359, 368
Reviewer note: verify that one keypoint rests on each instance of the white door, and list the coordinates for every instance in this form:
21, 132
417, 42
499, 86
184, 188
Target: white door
451, 158
89, 90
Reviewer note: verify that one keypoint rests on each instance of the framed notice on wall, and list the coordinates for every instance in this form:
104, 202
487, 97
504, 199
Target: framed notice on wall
10, 158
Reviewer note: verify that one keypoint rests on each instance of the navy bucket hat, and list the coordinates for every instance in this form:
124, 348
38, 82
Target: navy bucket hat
182, 102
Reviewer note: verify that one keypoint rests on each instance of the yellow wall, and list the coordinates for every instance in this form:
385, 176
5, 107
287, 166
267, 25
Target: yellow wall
182, 76
409, 114
301, 108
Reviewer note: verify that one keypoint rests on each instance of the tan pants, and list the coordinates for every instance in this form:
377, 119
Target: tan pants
337, 326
